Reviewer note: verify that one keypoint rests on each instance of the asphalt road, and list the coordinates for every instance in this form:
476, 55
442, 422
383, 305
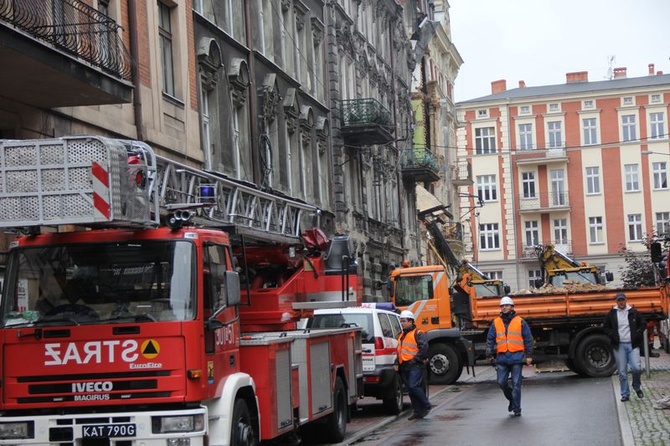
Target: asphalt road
558, 409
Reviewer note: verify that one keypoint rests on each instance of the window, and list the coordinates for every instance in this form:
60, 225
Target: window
489, 236
532, 233
628, 100
592, 180
596, 230
528, 184
561, 231
590, 131
656, 121
533, 276
632, 177
634, 227
485, 141
525, 136
660, 174
524, 110
655, 99
482, 113
487, 188
629, 127
588, 105
559, 196
662, 223
494, 275
555, 134
165, 35
554, 108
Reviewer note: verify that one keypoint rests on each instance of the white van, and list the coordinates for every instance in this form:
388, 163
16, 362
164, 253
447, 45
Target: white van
379, 332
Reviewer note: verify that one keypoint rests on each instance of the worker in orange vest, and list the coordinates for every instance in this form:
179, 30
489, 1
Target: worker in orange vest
511, 340
412, 356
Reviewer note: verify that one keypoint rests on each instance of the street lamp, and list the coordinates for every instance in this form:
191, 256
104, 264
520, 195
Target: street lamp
651, 152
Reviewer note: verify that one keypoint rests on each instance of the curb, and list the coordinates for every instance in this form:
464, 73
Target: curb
622, 412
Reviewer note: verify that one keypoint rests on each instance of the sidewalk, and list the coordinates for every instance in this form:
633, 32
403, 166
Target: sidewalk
642, 424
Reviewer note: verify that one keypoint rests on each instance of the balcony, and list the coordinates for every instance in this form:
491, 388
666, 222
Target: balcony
545, 156
462, 174
546, 202
58, 53
365, 122
530, 252
419, 165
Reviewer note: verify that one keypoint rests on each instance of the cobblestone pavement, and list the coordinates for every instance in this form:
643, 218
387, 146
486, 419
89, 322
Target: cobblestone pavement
641, 423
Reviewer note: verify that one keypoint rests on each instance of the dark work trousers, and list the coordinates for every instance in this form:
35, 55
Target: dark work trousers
412, 377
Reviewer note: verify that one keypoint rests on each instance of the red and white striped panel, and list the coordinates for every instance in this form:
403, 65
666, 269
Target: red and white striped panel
101, 192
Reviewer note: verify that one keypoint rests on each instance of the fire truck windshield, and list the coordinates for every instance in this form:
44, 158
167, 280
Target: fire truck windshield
142, 281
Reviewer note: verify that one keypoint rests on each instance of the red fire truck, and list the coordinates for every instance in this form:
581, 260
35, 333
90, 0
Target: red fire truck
151, 303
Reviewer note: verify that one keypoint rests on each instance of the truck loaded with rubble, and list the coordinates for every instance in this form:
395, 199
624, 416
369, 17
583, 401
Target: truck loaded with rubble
565, 315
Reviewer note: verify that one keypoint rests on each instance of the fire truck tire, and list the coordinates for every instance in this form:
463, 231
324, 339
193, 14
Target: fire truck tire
336, 422
594, 356
444, 363
393, 400
242, 431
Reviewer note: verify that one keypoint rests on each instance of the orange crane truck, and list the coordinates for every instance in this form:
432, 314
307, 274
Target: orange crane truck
565, 325
150, 303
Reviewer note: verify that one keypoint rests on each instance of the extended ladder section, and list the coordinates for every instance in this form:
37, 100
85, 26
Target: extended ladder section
96, 181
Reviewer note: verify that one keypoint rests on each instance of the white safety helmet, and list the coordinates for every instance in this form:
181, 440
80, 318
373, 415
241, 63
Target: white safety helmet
506, 300
406, 314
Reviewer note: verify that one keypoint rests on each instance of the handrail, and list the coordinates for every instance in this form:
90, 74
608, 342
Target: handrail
74, 27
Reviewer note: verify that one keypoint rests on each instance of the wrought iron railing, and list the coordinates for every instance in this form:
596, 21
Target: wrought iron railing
360, 112
419, 157
453, 231
74, 27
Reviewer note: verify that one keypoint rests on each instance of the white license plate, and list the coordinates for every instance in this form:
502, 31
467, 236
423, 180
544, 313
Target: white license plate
108, 430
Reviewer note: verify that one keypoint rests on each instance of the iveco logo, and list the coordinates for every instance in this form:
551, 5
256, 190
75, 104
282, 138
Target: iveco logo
99, 386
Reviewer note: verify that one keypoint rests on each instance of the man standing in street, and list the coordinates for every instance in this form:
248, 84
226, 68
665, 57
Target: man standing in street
412, 355
510, 335
625, 327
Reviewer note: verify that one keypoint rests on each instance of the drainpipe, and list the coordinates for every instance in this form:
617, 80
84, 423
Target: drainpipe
253, 96
135, 56
513, 177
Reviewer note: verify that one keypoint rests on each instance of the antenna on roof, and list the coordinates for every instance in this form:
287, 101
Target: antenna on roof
611, 59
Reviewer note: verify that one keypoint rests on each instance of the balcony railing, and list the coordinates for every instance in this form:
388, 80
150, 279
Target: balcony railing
453, 232
73, 27
530, 252
419, 164
462, 173
365, 121
543, 156
544, 202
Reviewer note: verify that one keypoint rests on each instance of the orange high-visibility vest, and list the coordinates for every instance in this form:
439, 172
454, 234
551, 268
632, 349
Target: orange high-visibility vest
512, 341
407, 347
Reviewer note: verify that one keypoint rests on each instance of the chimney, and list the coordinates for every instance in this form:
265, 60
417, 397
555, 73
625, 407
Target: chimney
620, 73
577, 76
498, 86
659, 73
651, 69
522, 84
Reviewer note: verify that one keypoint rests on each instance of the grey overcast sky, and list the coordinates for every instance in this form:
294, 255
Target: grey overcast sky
538, 41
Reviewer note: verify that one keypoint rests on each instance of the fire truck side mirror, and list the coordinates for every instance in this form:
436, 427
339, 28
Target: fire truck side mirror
232, 287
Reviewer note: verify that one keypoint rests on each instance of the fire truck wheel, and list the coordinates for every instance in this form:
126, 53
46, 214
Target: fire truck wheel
594, 356
242, 432
336, 422
393, 403
444, 363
